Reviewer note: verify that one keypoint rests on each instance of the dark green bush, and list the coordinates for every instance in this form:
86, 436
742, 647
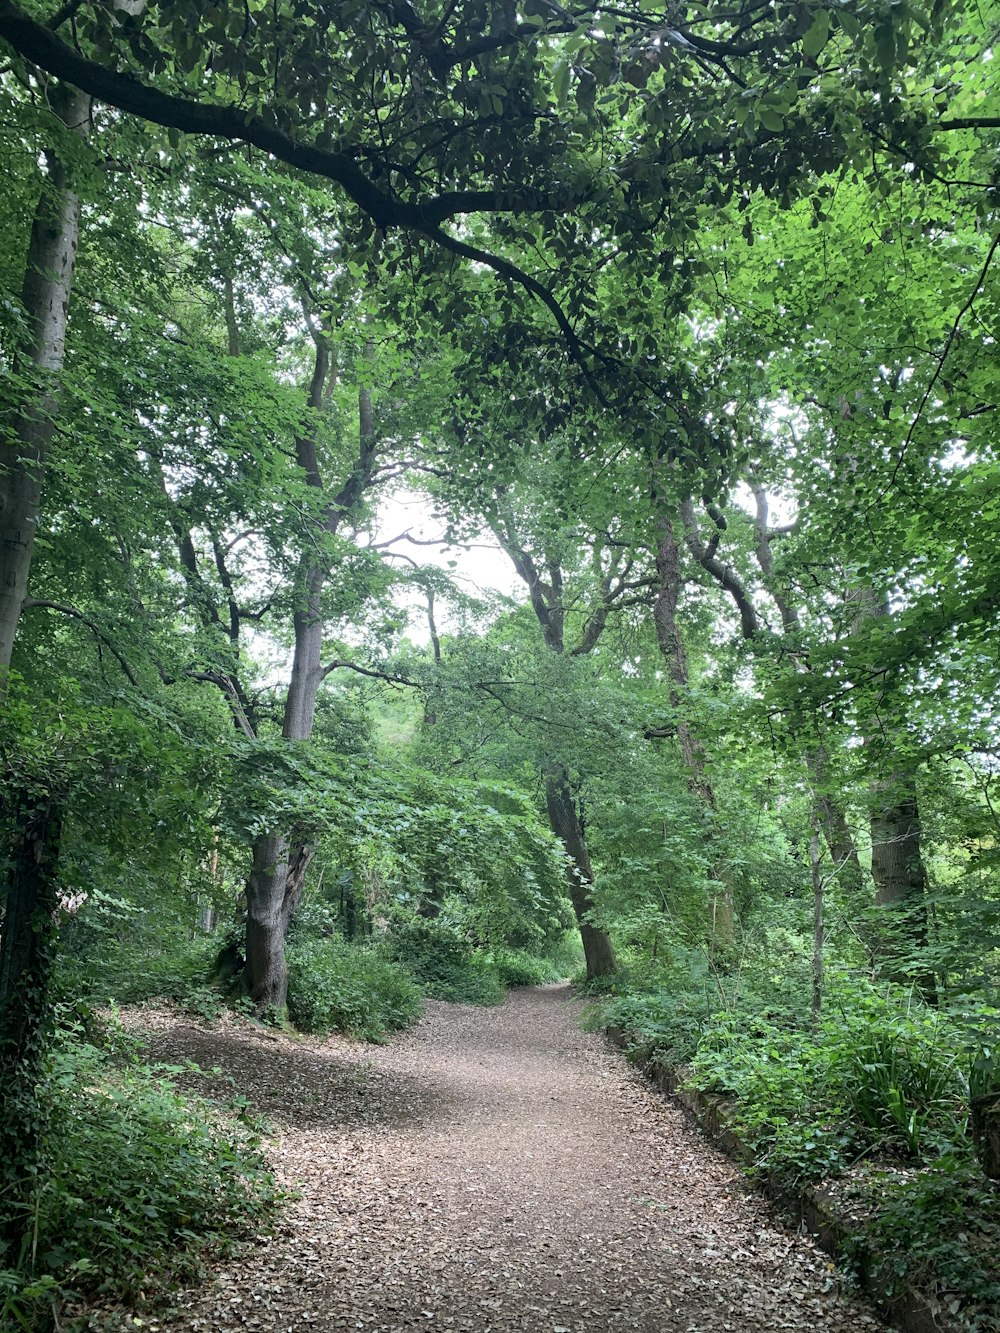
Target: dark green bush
443, 962
137, 1181
517, 967
338, 987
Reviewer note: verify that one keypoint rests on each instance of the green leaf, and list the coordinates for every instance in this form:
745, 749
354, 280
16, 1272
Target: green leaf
817, 35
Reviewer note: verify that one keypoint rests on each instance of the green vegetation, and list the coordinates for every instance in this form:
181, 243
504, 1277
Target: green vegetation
312, 318
871, 1100
140, 1183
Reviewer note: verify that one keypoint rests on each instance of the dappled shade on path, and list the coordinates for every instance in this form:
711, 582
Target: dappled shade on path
497, 1170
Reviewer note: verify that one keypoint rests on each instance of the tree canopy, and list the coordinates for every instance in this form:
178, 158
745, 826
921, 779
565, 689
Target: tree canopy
685, 314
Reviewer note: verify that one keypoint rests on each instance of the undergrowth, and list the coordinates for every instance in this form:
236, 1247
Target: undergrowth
138, 1182
873, 1100
338, 987
443, 961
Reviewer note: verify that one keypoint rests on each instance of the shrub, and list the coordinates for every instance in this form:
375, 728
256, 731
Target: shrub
338, 987
171, 970
443, 961
667, 1028
137, 1181
517, 967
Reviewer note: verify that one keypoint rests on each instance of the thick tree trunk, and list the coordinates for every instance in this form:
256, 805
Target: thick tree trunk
900, 878
897, 861
274, 887
671, 642
566, 824
26, 953
26, 441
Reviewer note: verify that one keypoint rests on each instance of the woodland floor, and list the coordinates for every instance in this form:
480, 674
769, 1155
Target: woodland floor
493, 1169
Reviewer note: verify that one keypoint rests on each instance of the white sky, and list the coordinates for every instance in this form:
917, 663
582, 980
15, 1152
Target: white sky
480, 568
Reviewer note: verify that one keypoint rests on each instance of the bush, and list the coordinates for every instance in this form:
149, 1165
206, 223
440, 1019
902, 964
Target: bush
137, 1181
338, 987
443, 961
874, 1079
667, 1028
517, 967
173, 969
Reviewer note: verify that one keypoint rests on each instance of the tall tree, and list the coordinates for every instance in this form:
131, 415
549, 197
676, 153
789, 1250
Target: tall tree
45, 296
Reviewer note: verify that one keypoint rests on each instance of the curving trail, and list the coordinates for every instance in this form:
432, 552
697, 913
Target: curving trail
496, 1170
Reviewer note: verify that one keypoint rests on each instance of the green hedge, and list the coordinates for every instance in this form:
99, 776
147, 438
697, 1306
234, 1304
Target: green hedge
338, 987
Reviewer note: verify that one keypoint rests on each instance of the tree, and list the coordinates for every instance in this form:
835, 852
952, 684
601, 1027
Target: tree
45, 296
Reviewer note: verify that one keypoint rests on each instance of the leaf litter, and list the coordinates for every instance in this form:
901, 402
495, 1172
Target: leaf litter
491, 1171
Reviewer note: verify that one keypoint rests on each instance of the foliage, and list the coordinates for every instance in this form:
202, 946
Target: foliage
873, 1080
138, 1182
443, 961
937, 1227
120, 960
689, 315
517, 967
334, 986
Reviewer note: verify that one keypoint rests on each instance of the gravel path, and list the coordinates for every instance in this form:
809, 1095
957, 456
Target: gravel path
496, 1169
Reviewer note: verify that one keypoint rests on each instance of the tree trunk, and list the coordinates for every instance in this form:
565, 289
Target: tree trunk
900, 878
274, 887
819, 934
26, 955
26, 442
277, 876
833, 824
280, 862
566, 824
671, 642
897, 861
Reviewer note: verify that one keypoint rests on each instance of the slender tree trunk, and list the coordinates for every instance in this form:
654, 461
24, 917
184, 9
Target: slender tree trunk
546, 594
566, 824
833, 824
671, 642
278, 871
26, 441
280, 861
819, 937
831, 817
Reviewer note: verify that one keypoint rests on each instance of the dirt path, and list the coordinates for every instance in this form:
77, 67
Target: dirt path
497, 1170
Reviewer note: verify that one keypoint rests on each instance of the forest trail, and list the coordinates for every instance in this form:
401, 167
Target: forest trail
495, 1169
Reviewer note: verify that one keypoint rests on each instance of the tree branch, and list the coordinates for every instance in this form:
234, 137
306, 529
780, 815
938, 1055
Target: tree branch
42, 47
31, 603
724, 575
338, 665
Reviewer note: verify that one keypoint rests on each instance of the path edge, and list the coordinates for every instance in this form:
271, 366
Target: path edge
906, 1306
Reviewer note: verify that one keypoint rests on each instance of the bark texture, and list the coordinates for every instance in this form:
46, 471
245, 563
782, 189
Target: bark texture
567, 824
45, 295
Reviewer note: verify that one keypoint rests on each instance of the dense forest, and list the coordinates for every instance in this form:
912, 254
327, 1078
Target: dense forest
672, 328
